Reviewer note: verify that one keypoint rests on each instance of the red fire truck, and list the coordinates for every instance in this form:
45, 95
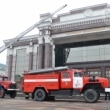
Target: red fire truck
7, 87
45, 84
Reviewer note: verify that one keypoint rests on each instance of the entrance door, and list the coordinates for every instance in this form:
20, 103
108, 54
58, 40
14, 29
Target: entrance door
77, 80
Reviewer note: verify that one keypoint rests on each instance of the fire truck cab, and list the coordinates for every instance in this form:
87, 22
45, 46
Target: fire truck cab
7, 87
47, 83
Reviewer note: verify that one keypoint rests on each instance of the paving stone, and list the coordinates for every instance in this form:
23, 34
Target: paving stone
59, 104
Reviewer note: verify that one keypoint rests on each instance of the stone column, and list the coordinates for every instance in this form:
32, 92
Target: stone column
10, 66
48, 52
30, 60
103, 71
40, 53
51, 54
30, 56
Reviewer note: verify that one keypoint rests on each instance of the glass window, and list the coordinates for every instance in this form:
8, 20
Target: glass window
66, 75
102, 57
76, 49
107, 51
20, 62
102, 51
77, 54
1, 79
93, 58
77, 59
84, 53
93, 47
92, 52
107, 46
107, 57
77, 74
89, 53
5, 79
94, 73
20, 59
107, 73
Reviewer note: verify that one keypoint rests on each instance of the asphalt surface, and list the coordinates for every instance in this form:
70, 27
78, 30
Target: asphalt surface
19, 103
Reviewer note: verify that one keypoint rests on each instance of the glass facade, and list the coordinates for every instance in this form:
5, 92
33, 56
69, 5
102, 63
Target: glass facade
20, 64
89, 53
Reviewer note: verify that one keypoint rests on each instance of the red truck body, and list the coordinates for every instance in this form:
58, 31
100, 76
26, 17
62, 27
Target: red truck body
64, 81
7, 87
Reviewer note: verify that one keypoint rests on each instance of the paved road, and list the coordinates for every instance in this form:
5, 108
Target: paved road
70, 104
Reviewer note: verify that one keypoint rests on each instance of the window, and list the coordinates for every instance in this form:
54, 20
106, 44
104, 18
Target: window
94, 73
5, 79
89, 53
20, 63
108, 74
1, 79
66, 75
77, 74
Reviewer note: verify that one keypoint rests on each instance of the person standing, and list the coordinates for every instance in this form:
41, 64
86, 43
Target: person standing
107, 95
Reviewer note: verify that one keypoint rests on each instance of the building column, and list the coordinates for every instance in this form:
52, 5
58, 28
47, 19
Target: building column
10, 66
85, 69
48, 52
40, 53
51, 49
30, 60
30, 56
103, 71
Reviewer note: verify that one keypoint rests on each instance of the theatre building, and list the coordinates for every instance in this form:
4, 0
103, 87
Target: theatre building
79, 38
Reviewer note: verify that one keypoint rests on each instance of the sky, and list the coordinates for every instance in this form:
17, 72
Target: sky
18, 15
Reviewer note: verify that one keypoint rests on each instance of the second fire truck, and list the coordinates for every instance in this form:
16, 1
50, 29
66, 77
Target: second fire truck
44, 84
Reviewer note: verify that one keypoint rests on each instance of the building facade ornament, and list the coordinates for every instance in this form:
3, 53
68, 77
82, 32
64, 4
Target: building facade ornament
40, 40
48, 39
88, 12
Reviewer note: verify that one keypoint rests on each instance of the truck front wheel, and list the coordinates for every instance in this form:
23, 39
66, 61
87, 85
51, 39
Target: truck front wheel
40, 95
91, 95
2, 93
12, 94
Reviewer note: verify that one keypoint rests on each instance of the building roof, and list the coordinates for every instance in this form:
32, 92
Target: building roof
2, 67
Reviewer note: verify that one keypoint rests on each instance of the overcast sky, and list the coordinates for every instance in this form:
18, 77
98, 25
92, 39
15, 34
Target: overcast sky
18, 15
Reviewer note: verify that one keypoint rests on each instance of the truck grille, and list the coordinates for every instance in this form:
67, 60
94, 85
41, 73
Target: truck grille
12, 86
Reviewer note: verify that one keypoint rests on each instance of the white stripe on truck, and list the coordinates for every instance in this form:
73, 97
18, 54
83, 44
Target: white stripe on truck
41, 80
66, 79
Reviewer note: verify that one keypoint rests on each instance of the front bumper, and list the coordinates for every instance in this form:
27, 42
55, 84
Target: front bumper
12, 89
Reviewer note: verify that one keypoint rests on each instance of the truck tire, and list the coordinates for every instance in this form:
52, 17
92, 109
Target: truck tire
40, 95
91, 95
98, 95
12, 94
2, 93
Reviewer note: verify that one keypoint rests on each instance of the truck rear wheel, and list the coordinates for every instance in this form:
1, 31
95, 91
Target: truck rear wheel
40, 95
12, 94
2, 93
91, 95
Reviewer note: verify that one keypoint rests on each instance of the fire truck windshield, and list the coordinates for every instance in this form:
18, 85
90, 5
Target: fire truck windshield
3, 79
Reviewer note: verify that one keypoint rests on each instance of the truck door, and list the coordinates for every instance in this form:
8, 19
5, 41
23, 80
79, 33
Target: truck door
77, 80
66, 80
